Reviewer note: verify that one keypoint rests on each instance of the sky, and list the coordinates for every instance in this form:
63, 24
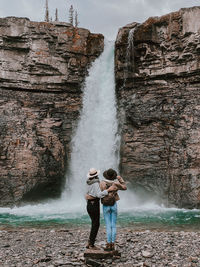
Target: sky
99, 16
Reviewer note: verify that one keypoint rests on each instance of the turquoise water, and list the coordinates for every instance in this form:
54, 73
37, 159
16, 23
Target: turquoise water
160, 218
132, 212
174, 219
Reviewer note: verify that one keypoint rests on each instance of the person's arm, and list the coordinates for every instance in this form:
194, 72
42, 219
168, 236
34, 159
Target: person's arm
121, 185
102, 186
96, 191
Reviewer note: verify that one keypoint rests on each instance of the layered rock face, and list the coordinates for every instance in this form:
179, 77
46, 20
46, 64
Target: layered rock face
42, 68
158, 87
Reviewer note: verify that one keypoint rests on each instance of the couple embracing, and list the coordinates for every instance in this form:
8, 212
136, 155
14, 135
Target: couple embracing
106, 190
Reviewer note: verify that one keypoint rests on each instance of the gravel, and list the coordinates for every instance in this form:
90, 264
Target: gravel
65, 247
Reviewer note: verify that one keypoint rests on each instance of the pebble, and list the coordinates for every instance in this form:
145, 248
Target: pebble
65, 247
146, 254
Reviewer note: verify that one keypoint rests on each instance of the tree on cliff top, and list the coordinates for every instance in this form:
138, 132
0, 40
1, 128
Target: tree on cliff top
56, 15
46, 12
76, 19
71, 15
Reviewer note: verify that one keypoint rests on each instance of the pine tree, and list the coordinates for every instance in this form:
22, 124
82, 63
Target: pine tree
76, 19
46, 12
56, 15
71, 15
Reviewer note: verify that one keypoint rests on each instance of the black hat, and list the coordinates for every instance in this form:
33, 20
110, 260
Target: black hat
110, 174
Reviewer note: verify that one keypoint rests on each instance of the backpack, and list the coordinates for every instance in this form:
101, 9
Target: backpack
109, 200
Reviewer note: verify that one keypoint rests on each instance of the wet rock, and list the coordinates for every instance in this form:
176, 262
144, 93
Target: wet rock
157, 81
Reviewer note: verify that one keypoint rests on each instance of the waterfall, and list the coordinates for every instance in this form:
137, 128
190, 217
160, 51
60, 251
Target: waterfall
130, 51
95, 143
130, 47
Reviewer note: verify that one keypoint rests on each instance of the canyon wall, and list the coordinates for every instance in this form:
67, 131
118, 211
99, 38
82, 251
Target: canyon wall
42, 68
157, 68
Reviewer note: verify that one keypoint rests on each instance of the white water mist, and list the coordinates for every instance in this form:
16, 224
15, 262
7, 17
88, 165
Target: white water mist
95, 143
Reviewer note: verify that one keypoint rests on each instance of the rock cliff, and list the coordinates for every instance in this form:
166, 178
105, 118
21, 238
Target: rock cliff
42, 69
157, 68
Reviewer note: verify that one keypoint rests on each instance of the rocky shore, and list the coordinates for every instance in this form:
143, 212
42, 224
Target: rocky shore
62, 246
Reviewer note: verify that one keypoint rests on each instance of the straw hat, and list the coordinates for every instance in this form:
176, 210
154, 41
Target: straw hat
93, 172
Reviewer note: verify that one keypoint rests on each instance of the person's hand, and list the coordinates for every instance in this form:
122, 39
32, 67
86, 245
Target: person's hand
117, 183
112, 188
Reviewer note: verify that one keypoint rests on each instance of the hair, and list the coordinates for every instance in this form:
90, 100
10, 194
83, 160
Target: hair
110, 174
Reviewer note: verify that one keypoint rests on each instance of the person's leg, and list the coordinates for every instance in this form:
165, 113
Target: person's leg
107, 219
113, 224
96, 221
93, 210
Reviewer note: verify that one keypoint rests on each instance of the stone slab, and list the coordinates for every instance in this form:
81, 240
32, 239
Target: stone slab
101, 254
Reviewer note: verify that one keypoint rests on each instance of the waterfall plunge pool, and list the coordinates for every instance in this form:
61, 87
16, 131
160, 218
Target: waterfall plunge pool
138, 218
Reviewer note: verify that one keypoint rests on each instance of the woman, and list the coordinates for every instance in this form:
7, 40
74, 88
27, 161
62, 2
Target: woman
93, 195
111, 181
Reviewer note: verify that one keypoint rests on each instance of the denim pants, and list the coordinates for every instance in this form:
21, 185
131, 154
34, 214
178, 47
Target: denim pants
110, 218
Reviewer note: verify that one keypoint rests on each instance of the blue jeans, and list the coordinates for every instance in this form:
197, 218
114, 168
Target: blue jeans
110, 218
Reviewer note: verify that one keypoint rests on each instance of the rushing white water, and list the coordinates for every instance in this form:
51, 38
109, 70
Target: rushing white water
130, 47
96, 142
130, 64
